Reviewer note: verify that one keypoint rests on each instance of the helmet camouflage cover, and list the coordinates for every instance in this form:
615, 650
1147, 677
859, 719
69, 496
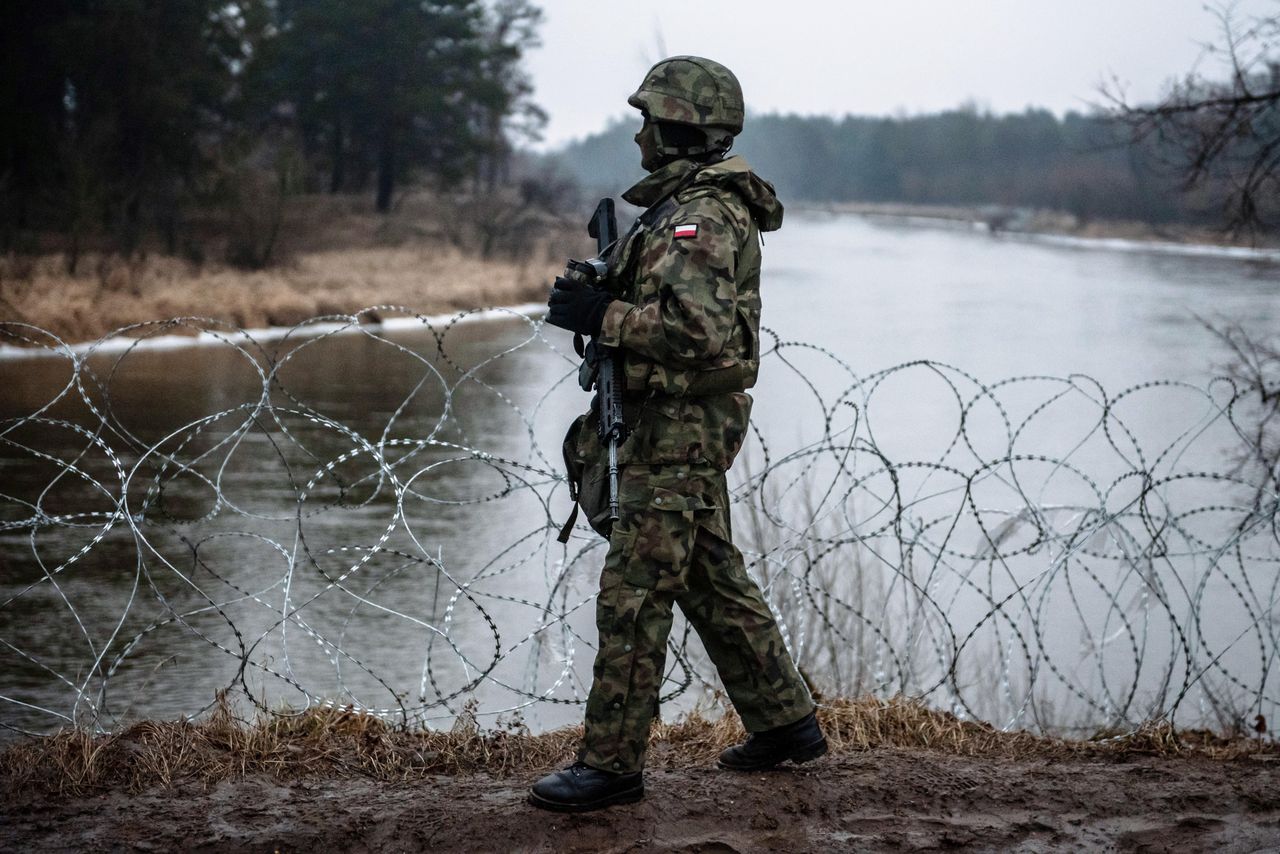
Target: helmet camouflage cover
691, 90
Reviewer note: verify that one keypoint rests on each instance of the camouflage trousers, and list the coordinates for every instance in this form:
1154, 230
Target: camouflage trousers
673, 546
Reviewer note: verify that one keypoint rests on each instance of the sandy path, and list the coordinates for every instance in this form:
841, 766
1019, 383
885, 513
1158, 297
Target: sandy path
878, 800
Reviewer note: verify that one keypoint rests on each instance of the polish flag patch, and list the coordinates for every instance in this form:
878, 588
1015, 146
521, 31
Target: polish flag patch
684, 231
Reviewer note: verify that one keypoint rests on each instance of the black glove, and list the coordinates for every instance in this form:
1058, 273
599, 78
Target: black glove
577, 307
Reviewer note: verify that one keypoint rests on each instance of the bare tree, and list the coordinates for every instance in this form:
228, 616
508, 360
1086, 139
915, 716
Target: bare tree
1221, 132
1254, 366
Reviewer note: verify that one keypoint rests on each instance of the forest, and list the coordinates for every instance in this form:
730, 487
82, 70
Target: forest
1086, 165
133, 120
190, 128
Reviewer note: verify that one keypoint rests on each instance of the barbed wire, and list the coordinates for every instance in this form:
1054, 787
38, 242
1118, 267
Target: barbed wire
1034, 552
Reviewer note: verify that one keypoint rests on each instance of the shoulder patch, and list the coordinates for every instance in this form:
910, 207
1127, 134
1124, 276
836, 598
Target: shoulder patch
684, 231
712, 202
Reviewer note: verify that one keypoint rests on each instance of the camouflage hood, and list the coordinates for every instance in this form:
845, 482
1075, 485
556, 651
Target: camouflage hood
732, 173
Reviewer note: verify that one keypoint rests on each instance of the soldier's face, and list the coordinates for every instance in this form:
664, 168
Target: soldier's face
647, 139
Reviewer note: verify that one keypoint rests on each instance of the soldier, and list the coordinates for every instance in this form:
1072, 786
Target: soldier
682, 305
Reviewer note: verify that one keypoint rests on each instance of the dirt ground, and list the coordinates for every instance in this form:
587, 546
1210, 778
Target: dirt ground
878, 800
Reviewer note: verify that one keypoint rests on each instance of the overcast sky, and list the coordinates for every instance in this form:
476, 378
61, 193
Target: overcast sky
864, 57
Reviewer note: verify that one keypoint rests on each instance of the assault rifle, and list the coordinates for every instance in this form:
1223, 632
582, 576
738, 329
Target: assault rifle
599, 363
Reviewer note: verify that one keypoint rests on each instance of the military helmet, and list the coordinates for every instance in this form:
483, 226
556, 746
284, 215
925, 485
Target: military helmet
691, 90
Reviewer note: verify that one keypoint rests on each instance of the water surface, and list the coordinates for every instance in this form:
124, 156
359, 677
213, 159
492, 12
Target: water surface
369, 517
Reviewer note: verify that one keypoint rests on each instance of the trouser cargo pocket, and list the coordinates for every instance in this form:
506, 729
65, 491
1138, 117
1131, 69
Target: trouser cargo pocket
659, 537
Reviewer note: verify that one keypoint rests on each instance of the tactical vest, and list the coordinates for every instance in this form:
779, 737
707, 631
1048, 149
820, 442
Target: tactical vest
738, 364
678, 415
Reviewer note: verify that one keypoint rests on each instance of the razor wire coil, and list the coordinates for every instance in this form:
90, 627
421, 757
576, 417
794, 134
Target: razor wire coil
1103, 581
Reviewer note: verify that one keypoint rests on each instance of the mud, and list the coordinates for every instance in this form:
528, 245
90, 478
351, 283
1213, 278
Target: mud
879, 800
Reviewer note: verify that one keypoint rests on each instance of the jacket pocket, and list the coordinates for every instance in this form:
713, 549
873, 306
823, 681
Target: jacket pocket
706, 430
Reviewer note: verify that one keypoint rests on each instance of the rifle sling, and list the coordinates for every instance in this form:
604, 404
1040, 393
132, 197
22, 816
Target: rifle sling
568, 526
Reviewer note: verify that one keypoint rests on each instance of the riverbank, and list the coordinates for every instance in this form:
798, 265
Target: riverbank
434, 254
427, 280
898, 775
881, 800
997, 219
425, 258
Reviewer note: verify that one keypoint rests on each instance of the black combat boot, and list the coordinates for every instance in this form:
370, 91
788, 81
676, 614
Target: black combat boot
799, 741
580, 788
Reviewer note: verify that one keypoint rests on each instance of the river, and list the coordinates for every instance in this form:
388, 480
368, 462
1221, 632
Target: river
368, 517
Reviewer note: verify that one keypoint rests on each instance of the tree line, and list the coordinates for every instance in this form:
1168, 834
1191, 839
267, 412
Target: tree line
1084, 164
124, 119
139, 122
1207, 152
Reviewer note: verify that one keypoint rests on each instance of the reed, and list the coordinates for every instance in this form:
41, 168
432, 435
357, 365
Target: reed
435, 280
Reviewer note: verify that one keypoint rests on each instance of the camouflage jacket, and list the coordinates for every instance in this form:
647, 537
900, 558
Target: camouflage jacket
687, 313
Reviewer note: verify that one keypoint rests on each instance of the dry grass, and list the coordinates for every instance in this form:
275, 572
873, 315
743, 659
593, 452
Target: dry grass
111, 293
336, 742
433, 254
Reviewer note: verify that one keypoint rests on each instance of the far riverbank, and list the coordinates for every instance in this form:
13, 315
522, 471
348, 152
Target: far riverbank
998, 219
433, 254
411, 260
428, 281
